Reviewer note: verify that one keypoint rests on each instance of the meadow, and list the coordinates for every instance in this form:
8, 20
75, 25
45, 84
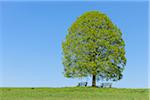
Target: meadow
73, 93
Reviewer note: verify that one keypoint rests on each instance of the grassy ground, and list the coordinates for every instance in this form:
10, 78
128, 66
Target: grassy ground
73, 93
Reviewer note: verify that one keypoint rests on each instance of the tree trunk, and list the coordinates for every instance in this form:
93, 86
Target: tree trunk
94, 81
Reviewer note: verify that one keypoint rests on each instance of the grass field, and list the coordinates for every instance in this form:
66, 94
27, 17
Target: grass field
73, 93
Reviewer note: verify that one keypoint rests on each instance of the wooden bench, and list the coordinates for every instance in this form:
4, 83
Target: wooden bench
82, 84
104, 85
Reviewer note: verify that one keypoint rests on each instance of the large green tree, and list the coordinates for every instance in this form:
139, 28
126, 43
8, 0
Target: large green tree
94, 47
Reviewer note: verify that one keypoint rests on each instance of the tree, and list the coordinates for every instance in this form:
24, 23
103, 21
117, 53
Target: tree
94, 47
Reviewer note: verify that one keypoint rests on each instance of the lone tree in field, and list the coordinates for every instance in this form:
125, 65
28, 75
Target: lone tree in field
94, 47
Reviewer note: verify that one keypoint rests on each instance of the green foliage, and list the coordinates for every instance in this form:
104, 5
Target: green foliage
94, 46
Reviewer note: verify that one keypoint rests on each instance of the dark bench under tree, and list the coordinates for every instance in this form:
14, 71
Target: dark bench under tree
82, 84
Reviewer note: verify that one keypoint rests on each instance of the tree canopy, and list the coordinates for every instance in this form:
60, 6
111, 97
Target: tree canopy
94, 47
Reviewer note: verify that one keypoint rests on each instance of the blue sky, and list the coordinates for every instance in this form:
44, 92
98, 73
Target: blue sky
32, 33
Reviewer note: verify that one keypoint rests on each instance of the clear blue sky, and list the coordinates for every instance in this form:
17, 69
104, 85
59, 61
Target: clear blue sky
32, 33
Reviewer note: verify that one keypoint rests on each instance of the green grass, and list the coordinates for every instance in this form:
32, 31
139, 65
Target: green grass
73, 93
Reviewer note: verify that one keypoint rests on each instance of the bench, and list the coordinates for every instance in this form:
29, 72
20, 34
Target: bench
104, 85
82, 84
